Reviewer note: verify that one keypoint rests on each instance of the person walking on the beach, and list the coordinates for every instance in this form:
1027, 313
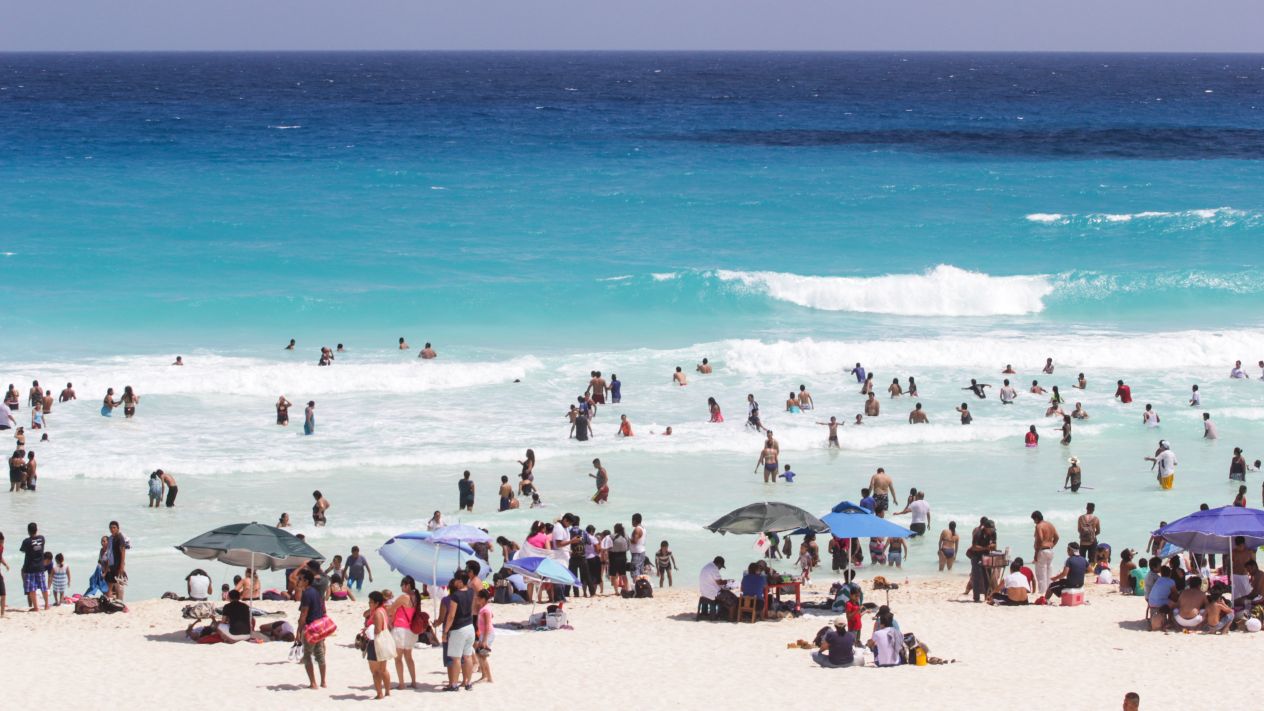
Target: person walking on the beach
458, 632
948, 543
309, 418
34, 577
1046, 537
319, 508
311, 609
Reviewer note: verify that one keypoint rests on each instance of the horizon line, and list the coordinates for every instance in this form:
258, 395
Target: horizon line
641, 51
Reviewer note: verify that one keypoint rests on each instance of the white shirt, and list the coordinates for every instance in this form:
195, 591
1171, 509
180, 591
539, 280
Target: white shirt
1151, 418
1017, 580
1237, 373
920, 510
1195, 399
639, 546
561, 535
434, 524
708, 581
199, 587
1007, 394
1209, 429
1166, 462
888, 646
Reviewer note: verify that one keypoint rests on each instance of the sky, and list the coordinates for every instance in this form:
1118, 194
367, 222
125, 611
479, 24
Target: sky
858, 25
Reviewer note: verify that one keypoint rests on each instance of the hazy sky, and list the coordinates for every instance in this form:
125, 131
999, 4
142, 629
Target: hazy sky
1109, 25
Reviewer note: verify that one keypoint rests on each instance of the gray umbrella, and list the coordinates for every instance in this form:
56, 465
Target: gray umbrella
251, 545
768, 517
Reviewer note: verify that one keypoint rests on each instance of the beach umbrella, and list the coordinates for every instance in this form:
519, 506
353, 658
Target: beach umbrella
767, 517
543, 569
1213, 531
848, 520
427, 559
251, 545
460, 533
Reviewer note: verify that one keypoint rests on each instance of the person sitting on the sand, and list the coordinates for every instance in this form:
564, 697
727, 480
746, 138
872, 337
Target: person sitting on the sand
279, 631
1015, 588
837, 646
237, 622
754, 584
1219, 615
886, 642
1161, 597
1190, 605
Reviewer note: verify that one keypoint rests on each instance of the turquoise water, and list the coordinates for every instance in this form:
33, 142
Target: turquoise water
540, 216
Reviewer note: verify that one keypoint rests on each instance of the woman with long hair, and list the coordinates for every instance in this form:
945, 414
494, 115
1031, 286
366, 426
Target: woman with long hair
401, 613
377, 621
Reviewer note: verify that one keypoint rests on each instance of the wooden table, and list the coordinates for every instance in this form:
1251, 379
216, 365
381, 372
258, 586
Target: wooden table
776, 588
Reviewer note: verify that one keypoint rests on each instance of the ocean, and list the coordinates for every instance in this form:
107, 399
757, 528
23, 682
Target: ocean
537, 216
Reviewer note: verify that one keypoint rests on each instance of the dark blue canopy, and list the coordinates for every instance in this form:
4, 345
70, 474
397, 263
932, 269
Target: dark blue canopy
1213, 531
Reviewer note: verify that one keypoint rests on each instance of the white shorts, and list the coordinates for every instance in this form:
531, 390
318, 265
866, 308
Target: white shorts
461, 642
1241, 586
404, 638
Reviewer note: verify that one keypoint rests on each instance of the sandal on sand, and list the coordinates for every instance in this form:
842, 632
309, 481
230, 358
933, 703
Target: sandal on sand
452, 687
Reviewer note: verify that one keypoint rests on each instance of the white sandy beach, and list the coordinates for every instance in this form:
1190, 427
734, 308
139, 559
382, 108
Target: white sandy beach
651, 654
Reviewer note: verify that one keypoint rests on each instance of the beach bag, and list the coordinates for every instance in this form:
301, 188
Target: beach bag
503, 594
87, 605
555, 620
643, 588
420, 622
317, 631
198, 611
384, 645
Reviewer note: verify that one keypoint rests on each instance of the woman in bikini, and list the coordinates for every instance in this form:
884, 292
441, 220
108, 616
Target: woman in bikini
948, 541
130, 399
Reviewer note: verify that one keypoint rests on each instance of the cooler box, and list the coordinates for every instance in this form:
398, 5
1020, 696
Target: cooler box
1072, 597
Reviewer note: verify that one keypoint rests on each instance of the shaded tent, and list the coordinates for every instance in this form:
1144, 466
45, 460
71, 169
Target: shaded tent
847, 520
1214, 530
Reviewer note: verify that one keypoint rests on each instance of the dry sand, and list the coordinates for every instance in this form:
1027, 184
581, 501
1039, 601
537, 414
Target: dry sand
650, 654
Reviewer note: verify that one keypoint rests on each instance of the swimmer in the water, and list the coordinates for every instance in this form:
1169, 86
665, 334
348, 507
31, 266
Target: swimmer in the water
340, 349
667, 432
1009, 370
1080, 382
1195, 399
679, 377
867, 386
704, 367
67, 393
752, 413
872, 406
833, 431
1036, 389
1237, 373
625, 427
770, 441
918, 415
403, 345
860, 420
805, 398
179, 360
792, 404
427, 353
714, 408
1048, 369
788, 475
597, 388
1007, 393
912, 387
1031, 439
1150, 418
768, 460
1079, 413
966, 417
291, 346
895, 388
977, 388
1055, 404
1065, 427
859, 372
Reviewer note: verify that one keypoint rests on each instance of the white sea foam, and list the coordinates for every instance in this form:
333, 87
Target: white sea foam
1158, 351
943, 291
665, 276
1225, 216
284, 128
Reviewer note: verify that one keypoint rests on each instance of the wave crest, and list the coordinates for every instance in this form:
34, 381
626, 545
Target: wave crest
943, 291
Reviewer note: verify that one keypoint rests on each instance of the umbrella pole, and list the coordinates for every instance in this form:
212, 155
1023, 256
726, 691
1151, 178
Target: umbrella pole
1232, 601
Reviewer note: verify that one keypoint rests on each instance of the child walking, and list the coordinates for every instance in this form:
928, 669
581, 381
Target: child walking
805, 561
61, 579
666, 562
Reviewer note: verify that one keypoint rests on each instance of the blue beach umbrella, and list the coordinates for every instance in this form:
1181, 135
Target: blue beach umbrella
848, 520
1213, 531
543, 569
460, 533
428, 561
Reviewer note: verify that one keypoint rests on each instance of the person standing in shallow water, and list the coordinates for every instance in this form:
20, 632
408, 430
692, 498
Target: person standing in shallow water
130, 399
309, 418
319, 508
283, 411
465, 491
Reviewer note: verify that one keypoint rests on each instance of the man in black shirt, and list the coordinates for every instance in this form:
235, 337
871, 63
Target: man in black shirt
982, 541
34, 577
237, 622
